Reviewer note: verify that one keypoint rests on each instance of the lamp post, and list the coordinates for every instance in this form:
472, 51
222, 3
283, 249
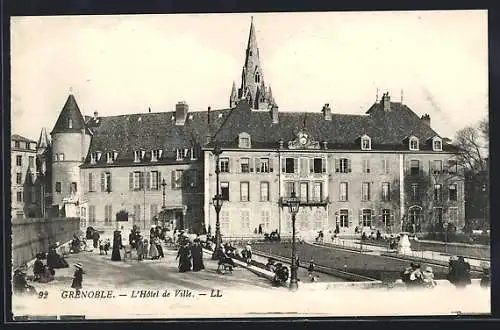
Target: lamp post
163, 208
293, 205
217, 201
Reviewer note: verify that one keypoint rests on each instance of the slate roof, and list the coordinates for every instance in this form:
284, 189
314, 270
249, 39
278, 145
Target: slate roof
17, 137
387, 130
150, 131
70, 111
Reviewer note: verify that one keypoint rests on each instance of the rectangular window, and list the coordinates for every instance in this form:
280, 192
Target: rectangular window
19, 196
367, 218
245, 165
109, 157
108, 213
317, 191
92, 213
244, 191
155, 180
437, 166
137, 180
386, 217
304, 166
264, 165
61, 156
17, 145
33, 196
137, 156
224, 165
19, 178
343, 165
32, 161
193, 178
244, 142
107, 182
137, 212
452, 166
289, 188
58, 187
91, 182
264, 191
154, 211
344, 218
386, 191
438, 215
365, 191
366, 166
290, 165
178, 179
438, 193
19, 160
266, 220
344, 193
93, 157
452, 191
245, 221
304, 191
414, 167
415, 194
386, 169
224, 190
318, 165
224, 221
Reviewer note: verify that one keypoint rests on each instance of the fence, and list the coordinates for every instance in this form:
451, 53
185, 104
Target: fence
33, 235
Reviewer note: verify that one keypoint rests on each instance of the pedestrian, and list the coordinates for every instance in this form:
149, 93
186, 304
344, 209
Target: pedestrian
197, 255
463, 273
140, 248
95, 238
117, 246
184, 256
310, 269
159, 247
78, 277
153, 251
260, 229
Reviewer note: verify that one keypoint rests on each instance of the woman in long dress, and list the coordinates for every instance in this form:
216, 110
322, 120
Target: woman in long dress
184, 256
197, 254
157, 242
153, 251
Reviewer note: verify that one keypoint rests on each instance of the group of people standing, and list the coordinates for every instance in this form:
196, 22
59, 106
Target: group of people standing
147, 249
190, 254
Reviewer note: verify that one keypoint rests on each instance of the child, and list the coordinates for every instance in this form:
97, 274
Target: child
78, 277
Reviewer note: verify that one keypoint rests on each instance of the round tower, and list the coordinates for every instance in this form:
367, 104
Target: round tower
70, 144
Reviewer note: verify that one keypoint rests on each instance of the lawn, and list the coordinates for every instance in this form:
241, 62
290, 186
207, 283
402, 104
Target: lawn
373, 266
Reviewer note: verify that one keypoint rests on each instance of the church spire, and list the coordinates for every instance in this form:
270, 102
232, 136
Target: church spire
234, 96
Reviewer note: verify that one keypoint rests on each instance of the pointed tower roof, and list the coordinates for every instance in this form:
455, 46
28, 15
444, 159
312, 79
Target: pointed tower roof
234, 93
70, 119
252, 48
43, 140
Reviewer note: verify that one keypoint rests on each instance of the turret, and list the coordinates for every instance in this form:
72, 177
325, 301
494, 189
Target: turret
233, 99
70, 143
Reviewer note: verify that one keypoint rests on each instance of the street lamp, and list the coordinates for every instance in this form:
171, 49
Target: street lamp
293, 205
163, 208
217, 201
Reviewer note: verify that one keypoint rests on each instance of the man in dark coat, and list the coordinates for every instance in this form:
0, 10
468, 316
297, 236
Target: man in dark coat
184, 256
463, 273
95, 238
117, 246
197, 254
54, 260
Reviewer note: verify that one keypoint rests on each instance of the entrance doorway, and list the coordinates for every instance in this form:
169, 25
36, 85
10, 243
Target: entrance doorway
179, 220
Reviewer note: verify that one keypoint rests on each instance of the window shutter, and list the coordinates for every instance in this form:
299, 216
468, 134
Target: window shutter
271, 163
391, 218
283, 165
407, 164
173, 179
230, 165
311, 165
257, 165
350, 217
337, 165
89, 183
148, 180
360, 213
109, 183
237, 166
103, 178
323, 165
296, 165
141, 180
337, 218
430, 168
349, 165
159, 181
131, 181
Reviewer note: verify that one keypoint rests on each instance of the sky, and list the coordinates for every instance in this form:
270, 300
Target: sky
436, 61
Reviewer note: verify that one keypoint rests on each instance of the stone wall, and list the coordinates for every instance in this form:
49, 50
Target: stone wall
31, 236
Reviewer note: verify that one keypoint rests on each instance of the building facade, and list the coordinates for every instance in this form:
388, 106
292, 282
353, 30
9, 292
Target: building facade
386, 169
23, 176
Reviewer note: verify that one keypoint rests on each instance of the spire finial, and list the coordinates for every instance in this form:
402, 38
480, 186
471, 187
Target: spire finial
401, 96
376, 96
71, 89
251, 19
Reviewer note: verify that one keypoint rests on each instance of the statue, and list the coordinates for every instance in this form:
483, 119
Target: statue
404, 244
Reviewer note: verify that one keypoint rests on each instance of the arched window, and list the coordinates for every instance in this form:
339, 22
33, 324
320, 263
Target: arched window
257, 77
366, 143
413, 143
437, 144
70, 123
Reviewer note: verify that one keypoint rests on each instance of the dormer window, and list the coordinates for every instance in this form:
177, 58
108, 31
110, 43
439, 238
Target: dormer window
138, 155
244, 141
111, 156
70, 123
194, 154
155, 155
413, 143
95, 157
180, 154
366, 143
437, 144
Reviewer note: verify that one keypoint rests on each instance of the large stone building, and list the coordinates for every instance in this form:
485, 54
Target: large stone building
385, 169
23, 176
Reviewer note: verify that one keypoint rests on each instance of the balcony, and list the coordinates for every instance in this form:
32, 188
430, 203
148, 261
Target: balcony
283, 201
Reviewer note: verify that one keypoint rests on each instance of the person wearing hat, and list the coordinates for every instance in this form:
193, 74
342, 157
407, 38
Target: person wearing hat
19, 283
197, 255
78, 276
428, 277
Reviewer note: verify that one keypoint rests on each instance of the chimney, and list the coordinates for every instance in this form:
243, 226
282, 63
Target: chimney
386, 102
96, 114
426, 119
274, 113
181, 110
327, 112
